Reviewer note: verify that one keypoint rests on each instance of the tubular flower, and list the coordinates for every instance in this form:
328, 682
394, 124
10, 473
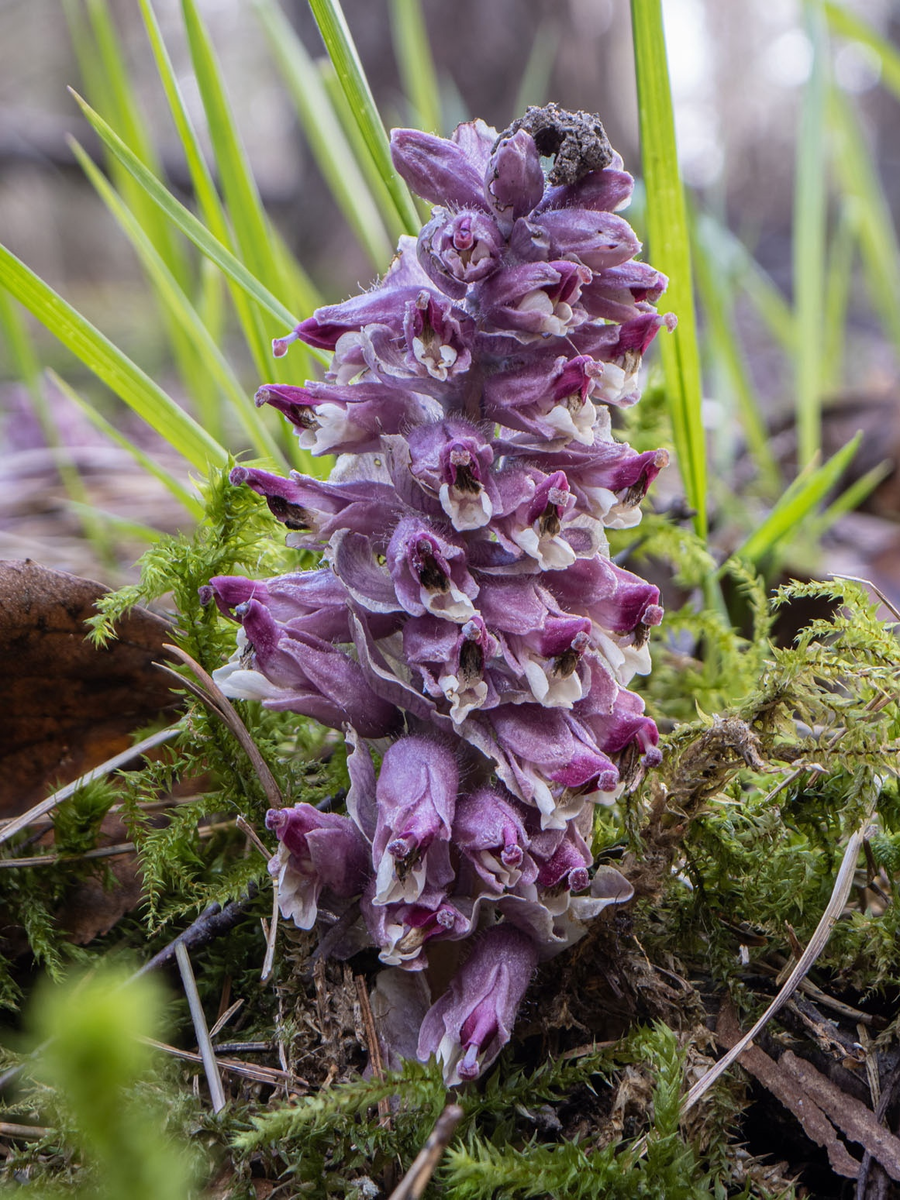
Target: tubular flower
466, 615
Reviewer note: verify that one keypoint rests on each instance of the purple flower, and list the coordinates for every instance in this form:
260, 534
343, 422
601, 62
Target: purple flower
429, 572
415, 801
489, 829
317, 852
402, 931
453, 661
514, 182
335, 419
533, 300
471, 1023
441, 170
451, 460
457, 249
289, 669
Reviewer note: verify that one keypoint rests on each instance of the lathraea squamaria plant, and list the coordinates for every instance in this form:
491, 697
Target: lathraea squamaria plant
466, 620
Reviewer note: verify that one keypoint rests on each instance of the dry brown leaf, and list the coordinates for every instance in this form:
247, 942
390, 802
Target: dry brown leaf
770, 1074
68, 705
849, 1114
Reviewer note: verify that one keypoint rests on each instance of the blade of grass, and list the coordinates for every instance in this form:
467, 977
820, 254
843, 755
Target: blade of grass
101, 60
878, 242
145, 461
418, 73
670, 249
342, 51
27, 365
714, 289
810, 200
116, 370
766, 298
126, 115
251, 223
377, 187
798, 502
205, 188
837, 296
252, 230
181, 310
850, 499
187, 222
103, 65
122, 526
848, 25
323, 131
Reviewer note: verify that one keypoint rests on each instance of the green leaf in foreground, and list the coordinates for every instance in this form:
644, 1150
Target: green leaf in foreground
670, 249
108, 363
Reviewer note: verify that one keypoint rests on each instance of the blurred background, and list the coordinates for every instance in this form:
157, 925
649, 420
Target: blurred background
738, 82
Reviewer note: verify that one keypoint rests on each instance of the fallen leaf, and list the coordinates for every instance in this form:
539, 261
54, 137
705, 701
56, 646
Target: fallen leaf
769, 1073
68, 705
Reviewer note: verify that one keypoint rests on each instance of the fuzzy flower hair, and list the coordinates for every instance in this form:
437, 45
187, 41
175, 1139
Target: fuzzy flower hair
466, 616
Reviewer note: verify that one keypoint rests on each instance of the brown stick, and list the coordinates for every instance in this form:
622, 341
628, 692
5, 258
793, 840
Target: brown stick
414, 1182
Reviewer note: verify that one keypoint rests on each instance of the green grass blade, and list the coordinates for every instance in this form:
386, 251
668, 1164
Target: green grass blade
768, 302
323, 131
26, 364
837, 296
126, 115
181, 310
715, 290
417, 70
123, 526
145, 461
248, 217
862, 187
845, 23
670, 249
342, 51
103, 66
850, 499
365, 162
810, 203
116, 370
204, 188
188, 223
798, 502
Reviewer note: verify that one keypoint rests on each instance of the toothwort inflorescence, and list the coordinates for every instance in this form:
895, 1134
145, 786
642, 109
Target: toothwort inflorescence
467, 619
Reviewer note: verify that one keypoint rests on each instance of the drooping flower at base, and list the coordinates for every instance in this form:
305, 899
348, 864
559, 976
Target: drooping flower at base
466, 618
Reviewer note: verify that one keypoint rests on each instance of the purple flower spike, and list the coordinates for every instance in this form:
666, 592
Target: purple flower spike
317, 852
466, 626
472, 1022
416, 800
